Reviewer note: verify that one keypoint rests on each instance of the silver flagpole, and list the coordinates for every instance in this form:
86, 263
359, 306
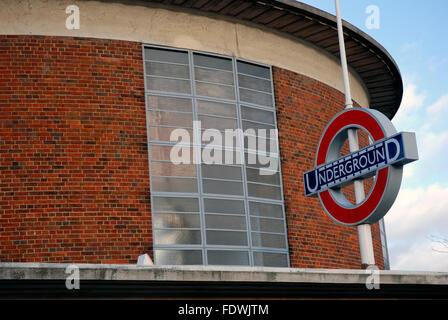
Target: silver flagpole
364, 230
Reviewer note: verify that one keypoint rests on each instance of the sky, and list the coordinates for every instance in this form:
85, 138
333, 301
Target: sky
415, 34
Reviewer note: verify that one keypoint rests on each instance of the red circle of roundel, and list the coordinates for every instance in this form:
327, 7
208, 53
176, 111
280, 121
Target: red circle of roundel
359, 213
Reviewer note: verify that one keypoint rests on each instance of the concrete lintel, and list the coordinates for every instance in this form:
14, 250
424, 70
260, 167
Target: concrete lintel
56, 271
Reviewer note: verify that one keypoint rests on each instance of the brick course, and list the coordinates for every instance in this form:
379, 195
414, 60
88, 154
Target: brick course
74, 180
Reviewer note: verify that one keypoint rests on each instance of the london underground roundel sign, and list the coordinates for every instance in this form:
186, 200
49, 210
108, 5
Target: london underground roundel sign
384, 158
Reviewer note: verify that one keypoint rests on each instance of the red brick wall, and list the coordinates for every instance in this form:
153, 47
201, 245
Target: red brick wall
304, 107
74, 181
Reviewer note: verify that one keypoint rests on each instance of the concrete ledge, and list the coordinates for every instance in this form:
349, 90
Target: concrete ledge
123, 272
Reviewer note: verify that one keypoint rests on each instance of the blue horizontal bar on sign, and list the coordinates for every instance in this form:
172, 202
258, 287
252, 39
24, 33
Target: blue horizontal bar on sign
398, 149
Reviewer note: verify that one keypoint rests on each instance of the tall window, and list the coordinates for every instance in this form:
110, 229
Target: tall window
227, 213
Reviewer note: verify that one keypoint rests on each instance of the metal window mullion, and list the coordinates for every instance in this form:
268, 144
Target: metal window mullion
257, 91
149, 150
167, 93
280, 167
176, 177
175, 212
243, 164
178, 229
216, 116
215, 196
213, 99
250, 75
166, 77
269, 232
166, 62
223, 214
213, 69
257, 106
198, 151
171, 111
264, 184
223, 180
259, 122
264, 217
265, 200
195, 247
226, 230
171, 194
223, 100
215, 83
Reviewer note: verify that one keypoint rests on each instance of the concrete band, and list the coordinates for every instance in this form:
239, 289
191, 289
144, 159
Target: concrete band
57, 271
161, 25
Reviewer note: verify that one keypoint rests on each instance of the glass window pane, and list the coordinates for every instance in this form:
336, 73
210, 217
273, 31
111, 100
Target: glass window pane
178, 257
252, 144
230, 238
169, 103
176, 220
160, 152
174, 185
166, 55
168, 85
209, 122
167, 70
265, 209
214, 221
262, 99
212, 62
228, 156
257, 115
162, 237
262, 191
170, 119
171, 169
256, 126
226, 257
253, 70
270, 259
175, 204
215, 90
254, 83
221, 172
215, 76
164, 152
258, 160
216, 108
224, 206
222, 187
164, 134
267, 225
268, 240
255, 176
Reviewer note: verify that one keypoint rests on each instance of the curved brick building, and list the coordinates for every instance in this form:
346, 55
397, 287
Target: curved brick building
86, 116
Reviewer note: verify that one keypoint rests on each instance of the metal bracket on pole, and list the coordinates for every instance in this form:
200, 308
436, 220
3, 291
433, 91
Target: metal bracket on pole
364, 230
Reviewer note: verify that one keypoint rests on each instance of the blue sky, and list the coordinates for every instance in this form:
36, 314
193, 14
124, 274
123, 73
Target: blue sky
414, 33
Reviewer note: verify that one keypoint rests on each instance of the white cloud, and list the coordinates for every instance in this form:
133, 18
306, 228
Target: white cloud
430, 125
411, 104
411, 47
441, 105
421, 209
415, 216
421, 257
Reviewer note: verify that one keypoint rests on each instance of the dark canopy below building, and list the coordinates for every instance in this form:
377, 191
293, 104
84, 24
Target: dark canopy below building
367, 57
100, 281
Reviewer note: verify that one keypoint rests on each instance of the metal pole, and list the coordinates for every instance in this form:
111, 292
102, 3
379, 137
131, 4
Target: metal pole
364, 230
